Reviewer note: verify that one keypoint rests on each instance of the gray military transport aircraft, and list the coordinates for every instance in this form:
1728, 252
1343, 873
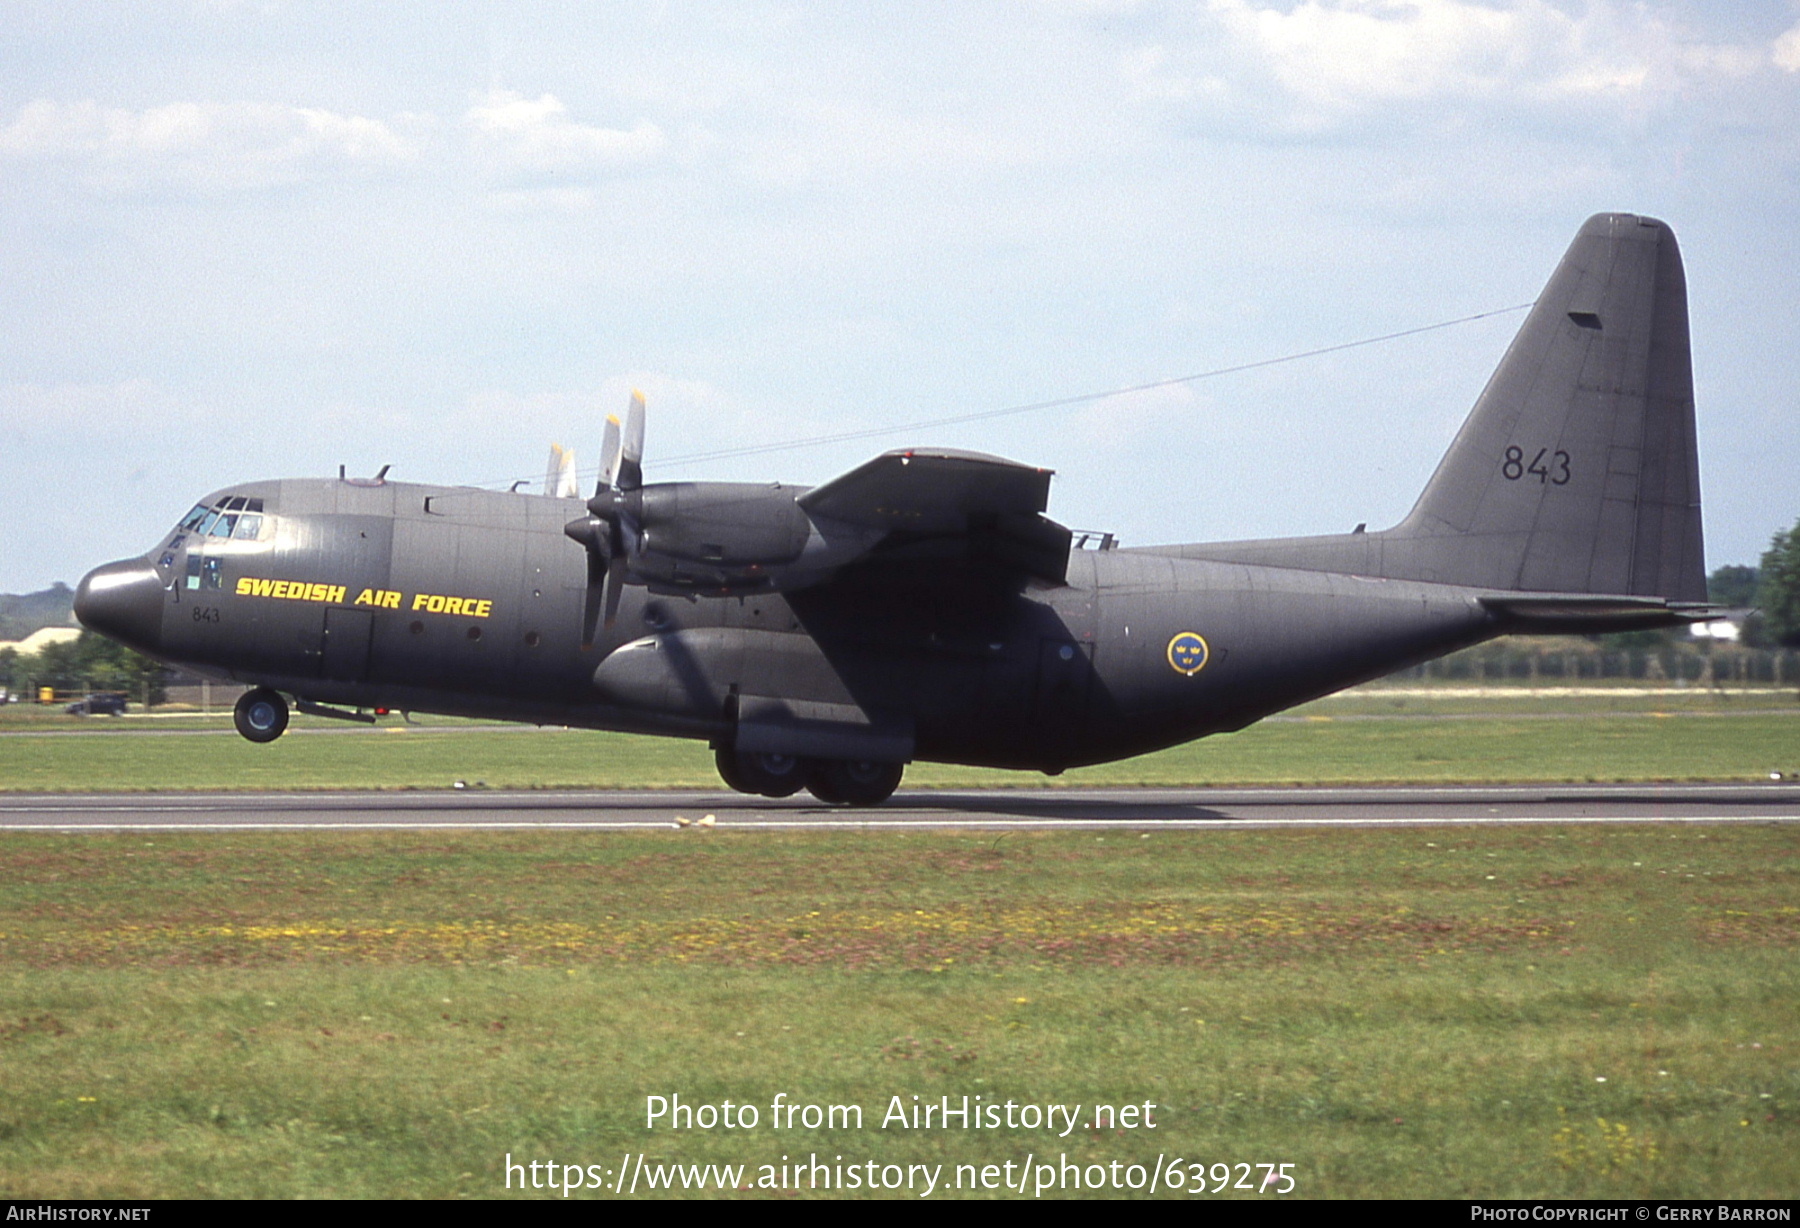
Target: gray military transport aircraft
922, 606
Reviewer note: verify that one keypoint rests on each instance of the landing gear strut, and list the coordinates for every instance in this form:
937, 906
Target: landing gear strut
837, 782
261, 715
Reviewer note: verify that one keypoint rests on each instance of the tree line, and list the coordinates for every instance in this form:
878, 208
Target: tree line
88, 663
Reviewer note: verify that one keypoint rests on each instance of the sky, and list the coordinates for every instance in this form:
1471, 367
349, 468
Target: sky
254, 240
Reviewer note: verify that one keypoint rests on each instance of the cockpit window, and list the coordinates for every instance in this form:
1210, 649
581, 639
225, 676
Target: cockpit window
238, 517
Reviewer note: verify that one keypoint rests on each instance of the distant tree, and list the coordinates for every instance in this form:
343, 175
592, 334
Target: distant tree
106, 665
1732, 585
1778, 591
1641, 641
57, 665
89, 663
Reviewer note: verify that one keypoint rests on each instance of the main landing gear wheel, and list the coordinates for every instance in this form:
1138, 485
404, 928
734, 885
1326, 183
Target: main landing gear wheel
768, 775
854, 782
261, 715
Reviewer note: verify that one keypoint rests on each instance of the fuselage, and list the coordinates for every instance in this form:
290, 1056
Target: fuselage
469, 602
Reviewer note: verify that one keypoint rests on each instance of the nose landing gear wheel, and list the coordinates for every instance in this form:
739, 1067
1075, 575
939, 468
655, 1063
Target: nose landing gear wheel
854, 782
261, 715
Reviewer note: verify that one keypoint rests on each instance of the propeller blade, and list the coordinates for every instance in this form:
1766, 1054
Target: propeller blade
590, 608
615, 586
553, 468
568, 484
598, 536
609, 456
630, 472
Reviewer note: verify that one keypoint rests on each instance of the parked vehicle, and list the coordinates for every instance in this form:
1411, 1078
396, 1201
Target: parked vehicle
98, 704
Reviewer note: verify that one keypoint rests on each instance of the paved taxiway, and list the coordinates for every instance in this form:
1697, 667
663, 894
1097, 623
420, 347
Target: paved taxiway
993, 810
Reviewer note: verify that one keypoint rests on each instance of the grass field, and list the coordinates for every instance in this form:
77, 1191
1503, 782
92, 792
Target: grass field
1365, 736
1518, 1012
1505, 1012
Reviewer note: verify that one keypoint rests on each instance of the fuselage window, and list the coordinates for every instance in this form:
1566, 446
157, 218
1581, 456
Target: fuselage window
193, 569
223, 526
206, 524
247, 528
192, 519
236, 504
210, 576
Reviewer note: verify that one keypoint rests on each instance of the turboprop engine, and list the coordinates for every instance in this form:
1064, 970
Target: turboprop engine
698, 538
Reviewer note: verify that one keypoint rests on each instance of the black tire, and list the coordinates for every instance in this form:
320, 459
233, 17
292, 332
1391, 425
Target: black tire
768, 775
726, 760
821, 782
261, 715
855, 782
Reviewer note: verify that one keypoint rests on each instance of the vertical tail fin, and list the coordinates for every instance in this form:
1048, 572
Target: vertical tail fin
1577, 470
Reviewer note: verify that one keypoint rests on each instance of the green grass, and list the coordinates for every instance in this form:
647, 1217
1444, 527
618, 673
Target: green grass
1394, 1013
1315, 749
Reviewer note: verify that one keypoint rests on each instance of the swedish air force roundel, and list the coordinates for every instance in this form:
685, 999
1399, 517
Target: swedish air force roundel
1188, 654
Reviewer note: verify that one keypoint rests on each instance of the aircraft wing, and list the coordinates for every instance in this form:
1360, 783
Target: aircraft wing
931, 501
932, 492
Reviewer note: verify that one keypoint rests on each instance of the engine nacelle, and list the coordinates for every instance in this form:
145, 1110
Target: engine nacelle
727, 525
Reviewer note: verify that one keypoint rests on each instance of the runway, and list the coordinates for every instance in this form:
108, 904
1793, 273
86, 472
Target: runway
1211, 809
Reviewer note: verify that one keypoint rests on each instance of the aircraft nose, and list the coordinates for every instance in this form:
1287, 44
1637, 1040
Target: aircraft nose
123, 601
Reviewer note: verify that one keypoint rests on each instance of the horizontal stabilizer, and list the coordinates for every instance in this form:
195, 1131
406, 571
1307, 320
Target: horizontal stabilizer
1593, 613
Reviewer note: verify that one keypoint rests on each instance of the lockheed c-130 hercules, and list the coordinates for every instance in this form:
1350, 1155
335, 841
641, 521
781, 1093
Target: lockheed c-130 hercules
922, 606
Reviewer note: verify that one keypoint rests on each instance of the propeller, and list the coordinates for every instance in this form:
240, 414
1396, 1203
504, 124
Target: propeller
612, 530
559, 476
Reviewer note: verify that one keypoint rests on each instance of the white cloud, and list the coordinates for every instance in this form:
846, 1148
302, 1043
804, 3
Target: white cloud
1333, 59
1338, 54
1786, 51
208, 145
518, 134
